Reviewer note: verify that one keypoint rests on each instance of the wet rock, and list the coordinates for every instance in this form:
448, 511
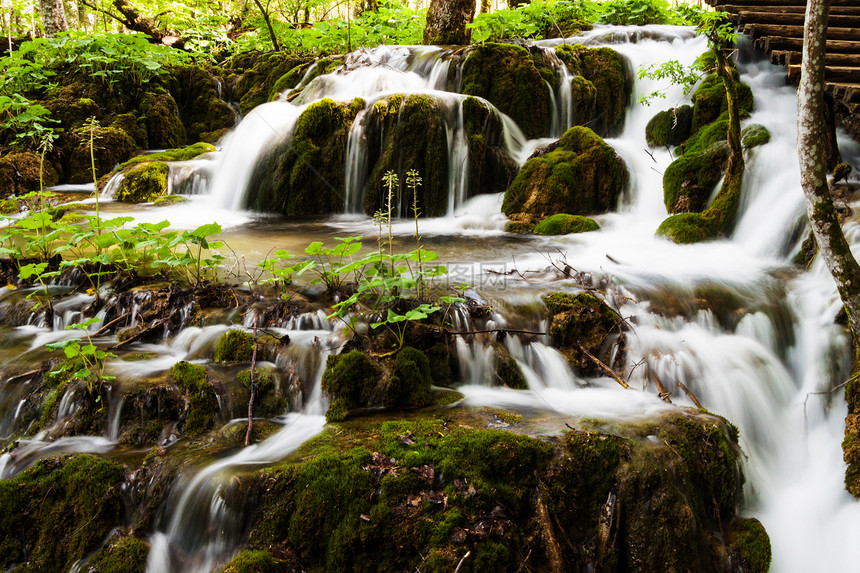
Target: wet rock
303, 175
508, 372
123, 555
583, 324
196, 90
709, 100
564, 224
754, 135
514, 80
491, 168
143, 183
602, 105
112, 146
19, 173
201, 402
257, 74
670, 128
582, 175
164, 128
689, 181
234, 346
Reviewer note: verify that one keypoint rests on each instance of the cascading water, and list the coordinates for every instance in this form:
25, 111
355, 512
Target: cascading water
748, 334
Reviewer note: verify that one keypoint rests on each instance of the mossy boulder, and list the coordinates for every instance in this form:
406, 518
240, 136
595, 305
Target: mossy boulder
177, 154
168, 200
508, 371
196, 90
164, 128
689, 181
409, 132
580, 175
709, 100
754, 135
670, 127
301, 76
234, 346
410, 381
583, 324
270, 400
563, 224
258, 73
751, 543
150, 407
19, 173
397, 495
514, 80
851, 441
491, 168
112, 146
143, 183
202, 401
349, 381
255, 562
59, 511
612, 80
9, 206
303, 174
124, 555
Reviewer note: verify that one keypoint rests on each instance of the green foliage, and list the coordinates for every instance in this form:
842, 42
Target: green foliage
280, 275
93, 360
636, 13
127, 555
254, 562
536, 20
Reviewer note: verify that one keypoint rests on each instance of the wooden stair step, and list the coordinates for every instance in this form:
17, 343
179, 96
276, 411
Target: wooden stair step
849, 93
776, 42
749, 3
834, 74
768, 18
791, 57
799, 9
759, 30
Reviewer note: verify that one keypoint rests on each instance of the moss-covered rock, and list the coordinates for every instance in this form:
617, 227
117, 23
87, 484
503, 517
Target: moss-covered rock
752, 543
270, 399
202, 405
258, 75
851, 441
514, 80
112, 146
583, 324
125, 555
754, 135
491, 168
151, 406
167, 200
410, 380
580, 175
709, 100
254, 562
234, 346
409, 132
396, 495
612, 81
563, 224
303, 175
9, 206
59, 511
177, 154
689, 180
143, 183
164, 127
349, 381
19, 173
670, 127
508, 371
196, 90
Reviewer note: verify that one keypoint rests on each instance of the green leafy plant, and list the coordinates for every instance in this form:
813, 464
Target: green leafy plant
280, 275
89, 362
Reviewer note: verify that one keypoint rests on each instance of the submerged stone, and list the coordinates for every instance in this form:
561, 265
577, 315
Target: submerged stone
579, 175
563, 224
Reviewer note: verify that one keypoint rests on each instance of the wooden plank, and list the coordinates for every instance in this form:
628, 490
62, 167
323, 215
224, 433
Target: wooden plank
788, 58
749, 3
834, 10
846, 92
769, 43
835, 74
759, 30
835, 21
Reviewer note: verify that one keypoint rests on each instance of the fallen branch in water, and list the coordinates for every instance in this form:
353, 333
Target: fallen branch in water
612, 374
110, 325
690, 395
491, 330
140, 334
661, 390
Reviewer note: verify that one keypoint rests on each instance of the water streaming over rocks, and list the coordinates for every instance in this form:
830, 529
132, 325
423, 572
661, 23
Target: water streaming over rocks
752, 337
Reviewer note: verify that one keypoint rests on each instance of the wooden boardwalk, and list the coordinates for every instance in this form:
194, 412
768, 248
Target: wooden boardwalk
776, 27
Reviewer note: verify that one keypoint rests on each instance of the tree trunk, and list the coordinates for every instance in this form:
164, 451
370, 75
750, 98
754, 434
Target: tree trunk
53, 17
446, 22
265, 14
811, 132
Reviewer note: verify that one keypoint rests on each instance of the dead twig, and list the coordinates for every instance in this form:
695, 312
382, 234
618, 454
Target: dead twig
609, 371
110, 325
460, 564
491, 330
690, 395
140, 334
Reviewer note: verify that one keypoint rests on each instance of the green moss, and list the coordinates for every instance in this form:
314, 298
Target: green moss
202, 401
519, 227
177, 154
9, 206
753, 544
581, 175
349, 380
670, 128
687, 228
167, 200
127, 555
754, 135
689, 180
608, 73
59, 511
254, 562
583, 321
270, 400
288, 179
19, 173
408, 132
264, 377
164, 128
234, 346
410, 379
508, 371
709, 100
190, 376
510, 78
143, 183
491, 168
563, 224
